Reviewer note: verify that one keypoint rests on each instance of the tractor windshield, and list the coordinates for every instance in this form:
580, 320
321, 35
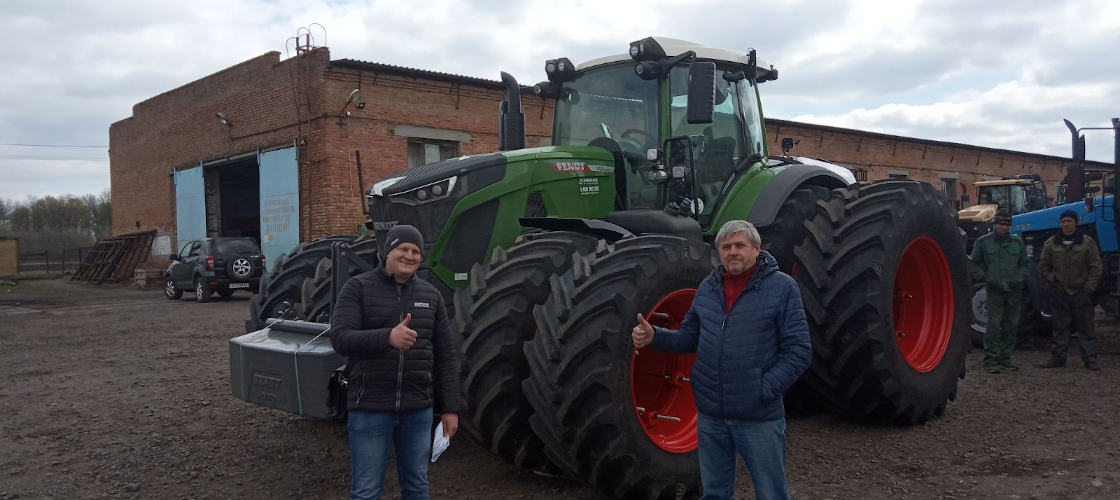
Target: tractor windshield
612, 102
1012, 198
734, 134
607, 102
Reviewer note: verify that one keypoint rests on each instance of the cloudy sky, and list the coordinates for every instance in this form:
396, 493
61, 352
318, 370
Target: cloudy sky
991, 73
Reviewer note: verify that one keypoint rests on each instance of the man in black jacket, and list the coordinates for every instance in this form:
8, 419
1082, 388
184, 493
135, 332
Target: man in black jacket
402, 361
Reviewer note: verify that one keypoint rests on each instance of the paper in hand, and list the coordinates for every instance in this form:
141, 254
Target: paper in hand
440, 442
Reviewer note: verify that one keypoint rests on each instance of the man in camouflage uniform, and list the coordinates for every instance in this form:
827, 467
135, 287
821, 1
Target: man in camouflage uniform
1071, 266
999, 260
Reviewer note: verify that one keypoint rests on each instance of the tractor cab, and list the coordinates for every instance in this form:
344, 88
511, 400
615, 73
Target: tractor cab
1015, 195
682, 119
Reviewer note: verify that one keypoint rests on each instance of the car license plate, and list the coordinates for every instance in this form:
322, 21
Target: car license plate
239, 285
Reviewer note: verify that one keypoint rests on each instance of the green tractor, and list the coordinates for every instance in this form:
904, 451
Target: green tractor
547, 255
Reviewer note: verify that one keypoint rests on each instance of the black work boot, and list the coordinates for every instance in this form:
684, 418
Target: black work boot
993, 369
1053, 363
1008, 365
1092, 365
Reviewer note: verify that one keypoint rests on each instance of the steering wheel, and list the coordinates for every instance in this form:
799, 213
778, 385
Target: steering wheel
631, 131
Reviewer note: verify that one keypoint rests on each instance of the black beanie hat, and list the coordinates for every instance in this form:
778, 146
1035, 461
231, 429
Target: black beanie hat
1069, 214
1003, 216
403, 234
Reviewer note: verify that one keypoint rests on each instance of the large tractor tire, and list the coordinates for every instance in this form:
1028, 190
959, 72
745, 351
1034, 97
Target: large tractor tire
494, 315
314, 300
614, 418
886, 288
779, 238
279, 290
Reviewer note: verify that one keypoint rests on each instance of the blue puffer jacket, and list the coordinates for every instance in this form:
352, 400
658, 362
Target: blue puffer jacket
748, 357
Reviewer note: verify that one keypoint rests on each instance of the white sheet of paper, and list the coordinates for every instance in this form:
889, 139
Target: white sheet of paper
439, 442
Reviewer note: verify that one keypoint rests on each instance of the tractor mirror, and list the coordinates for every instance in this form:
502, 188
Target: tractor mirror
1089, 207
701, 92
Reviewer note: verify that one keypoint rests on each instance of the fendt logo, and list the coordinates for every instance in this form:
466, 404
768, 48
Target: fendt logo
579, 166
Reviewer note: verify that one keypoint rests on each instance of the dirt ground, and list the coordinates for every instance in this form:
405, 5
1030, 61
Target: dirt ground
111, 392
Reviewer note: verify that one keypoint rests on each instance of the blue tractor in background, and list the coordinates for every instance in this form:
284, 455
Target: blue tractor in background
1097, 212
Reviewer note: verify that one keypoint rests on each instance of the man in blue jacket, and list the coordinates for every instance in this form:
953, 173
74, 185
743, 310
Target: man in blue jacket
748, 330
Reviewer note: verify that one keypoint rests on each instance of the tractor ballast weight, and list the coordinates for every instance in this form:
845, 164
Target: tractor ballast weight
547, 254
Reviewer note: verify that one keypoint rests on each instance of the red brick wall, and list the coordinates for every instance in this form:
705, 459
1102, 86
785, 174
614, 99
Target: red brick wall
879, 154
178, 129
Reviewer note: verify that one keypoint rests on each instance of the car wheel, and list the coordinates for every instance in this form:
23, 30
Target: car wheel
169, 289
201, 291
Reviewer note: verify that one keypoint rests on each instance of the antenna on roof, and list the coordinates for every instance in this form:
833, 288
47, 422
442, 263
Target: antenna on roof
305, 39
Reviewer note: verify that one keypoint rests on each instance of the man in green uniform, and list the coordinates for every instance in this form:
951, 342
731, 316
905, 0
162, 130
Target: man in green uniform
999, 260
1071, 266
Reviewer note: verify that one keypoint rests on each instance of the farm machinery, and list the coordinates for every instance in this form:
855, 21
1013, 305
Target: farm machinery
547, 255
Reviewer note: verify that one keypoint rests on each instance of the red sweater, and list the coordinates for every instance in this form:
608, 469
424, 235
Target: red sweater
733, 285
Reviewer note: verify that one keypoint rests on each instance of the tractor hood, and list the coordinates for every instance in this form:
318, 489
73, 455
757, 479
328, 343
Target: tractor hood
978, 212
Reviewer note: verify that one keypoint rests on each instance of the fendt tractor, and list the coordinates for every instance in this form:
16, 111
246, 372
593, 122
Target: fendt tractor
1016, 195
548, 254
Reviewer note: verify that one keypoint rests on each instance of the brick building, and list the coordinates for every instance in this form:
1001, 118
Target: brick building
264, 148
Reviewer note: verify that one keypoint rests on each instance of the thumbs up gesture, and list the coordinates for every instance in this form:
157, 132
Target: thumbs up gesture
642, 334
402, 337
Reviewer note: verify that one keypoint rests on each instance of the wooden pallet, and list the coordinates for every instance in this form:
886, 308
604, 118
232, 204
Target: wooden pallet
113, 260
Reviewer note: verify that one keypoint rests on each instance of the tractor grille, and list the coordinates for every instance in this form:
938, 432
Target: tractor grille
535, 206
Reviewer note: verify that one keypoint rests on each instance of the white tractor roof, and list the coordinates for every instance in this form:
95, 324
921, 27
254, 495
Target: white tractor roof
675, 47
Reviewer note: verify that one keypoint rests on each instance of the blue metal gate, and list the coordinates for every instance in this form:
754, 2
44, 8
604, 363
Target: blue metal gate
279, 171
190, 205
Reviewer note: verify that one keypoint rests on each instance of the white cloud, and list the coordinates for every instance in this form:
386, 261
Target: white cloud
997, 73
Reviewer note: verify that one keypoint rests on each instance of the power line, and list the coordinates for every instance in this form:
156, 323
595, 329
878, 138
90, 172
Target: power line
55, 158
48, 145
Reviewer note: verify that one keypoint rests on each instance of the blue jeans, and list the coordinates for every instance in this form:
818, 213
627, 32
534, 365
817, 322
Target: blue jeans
371, 434
762, 446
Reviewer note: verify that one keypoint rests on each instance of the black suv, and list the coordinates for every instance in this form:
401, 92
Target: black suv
209, 265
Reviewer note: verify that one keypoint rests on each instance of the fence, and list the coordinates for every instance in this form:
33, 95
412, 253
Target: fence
57, 262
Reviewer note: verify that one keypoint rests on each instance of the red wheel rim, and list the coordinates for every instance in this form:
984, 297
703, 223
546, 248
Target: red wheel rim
923, 304
660, 385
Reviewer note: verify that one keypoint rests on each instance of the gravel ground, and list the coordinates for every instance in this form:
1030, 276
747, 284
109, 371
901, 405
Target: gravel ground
111, 392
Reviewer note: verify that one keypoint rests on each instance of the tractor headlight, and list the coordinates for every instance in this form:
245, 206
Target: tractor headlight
425, 194
381, 186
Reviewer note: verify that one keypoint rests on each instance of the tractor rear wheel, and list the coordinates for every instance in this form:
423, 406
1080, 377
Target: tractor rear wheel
314, 300
620, 420
494, 315
886, 288
279, 289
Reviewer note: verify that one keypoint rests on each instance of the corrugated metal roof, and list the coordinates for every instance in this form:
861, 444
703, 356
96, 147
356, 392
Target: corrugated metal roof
419, 73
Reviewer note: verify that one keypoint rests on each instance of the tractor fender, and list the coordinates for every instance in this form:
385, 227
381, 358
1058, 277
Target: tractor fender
781, 186
594, 227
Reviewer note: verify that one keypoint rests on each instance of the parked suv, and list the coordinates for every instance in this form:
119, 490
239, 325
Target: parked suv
209, 265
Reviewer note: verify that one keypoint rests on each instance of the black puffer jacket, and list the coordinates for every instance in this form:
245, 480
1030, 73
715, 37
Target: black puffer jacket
383, 378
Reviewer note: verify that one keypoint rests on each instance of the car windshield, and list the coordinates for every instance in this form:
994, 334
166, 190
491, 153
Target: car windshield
236, 246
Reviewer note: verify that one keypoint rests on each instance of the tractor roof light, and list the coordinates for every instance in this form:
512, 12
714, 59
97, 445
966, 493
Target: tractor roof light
547, 90
648, 70
646, 49
560, 70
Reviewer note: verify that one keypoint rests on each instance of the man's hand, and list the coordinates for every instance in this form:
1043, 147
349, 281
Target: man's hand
402, 337
450, 424
642, 334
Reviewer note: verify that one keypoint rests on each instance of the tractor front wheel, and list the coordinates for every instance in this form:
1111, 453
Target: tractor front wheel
621, 420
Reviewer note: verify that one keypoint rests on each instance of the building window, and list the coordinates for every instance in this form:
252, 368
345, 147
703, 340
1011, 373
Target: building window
898, 176
421, 152
860, 174
949, 187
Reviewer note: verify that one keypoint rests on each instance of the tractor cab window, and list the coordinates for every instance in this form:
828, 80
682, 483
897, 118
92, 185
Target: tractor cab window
611, 102
1018, 200
720, 144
